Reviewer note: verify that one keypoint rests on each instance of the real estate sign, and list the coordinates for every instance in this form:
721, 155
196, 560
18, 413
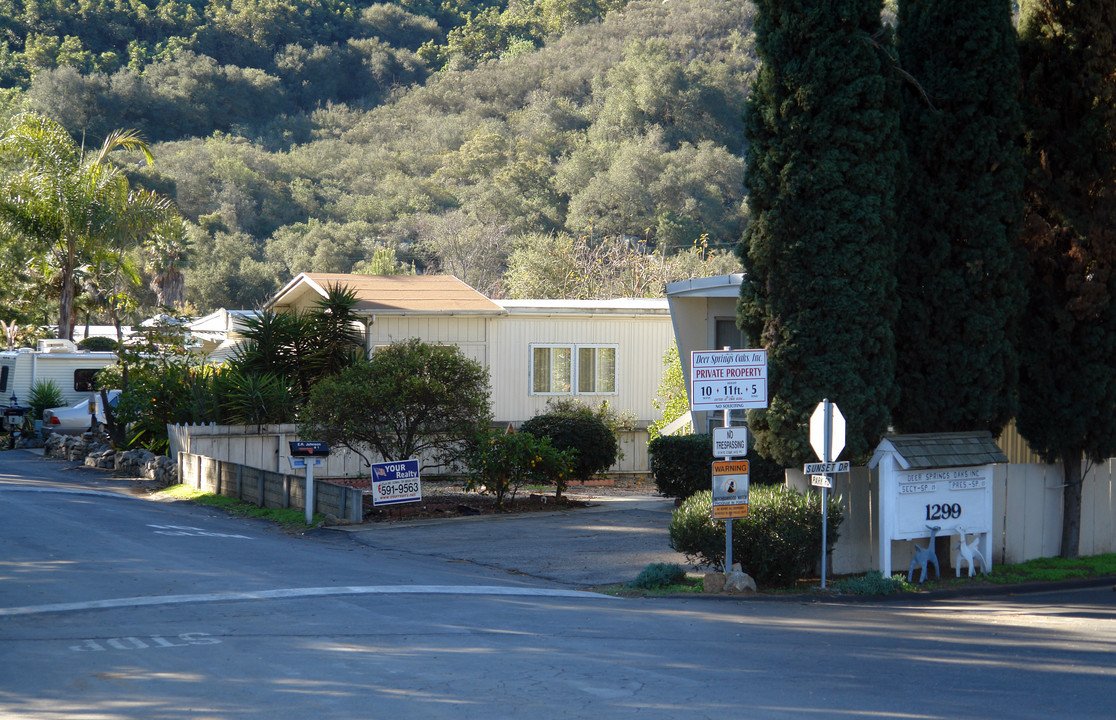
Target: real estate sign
396, 482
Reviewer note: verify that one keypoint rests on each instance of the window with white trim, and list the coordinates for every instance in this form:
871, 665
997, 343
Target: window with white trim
573, 369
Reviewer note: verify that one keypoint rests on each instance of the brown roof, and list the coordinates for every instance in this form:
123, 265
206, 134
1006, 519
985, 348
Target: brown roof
390, 293
932, 450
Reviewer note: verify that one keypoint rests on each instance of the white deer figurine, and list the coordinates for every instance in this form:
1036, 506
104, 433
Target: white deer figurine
925, 556
969, 552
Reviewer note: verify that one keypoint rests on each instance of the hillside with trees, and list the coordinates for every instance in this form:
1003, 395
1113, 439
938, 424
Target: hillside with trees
511, 144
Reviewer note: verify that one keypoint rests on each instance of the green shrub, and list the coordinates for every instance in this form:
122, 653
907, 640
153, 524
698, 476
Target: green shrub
578, 428
659, 575
98, 344
873, 583
44, 394
681, 464
500, 463
778, 543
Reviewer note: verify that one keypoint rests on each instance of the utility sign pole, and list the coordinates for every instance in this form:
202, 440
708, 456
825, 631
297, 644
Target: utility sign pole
827, 437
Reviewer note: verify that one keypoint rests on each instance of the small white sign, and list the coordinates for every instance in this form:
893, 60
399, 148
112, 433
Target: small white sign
730, 442
821, 481
830, 467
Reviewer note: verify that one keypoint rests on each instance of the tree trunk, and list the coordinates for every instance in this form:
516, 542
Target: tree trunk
66, 306
66, 302
1071, 504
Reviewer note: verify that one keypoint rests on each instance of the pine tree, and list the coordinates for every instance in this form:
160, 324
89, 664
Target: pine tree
1068, 372
960, 273
822, 124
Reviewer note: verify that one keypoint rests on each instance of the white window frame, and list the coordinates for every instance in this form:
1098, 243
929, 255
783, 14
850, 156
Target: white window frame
575, 367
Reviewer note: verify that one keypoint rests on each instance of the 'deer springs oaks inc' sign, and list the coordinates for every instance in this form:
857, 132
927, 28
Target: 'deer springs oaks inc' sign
728, 379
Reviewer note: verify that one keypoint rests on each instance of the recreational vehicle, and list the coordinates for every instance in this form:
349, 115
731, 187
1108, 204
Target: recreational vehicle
72, 370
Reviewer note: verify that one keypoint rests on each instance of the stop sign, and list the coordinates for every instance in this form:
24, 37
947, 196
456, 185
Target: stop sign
836, 431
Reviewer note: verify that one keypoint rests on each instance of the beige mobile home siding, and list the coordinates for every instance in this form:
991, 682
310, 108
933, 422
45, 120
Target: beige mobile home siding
641, 341
466, 332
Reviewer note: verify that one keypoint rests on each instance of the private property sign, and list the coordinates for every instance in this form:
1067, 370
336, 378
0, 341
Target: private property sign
728, 379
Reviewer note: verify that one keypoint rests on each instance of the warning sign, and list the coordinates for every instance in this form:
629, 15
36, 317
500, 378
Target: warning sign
730, 489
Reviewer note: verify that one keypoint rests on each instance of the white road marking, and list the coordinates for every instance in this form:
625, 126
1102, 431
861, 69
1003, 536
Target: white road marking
290, 593
66, 491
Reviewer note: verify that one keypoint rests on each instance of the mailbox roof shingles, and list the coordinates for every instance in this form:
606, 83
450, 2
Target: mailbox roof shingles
932, 450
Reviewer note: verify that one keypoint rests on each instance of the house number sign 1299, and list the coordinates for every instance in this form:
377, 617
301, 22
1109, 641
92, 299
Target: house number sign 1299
946, 497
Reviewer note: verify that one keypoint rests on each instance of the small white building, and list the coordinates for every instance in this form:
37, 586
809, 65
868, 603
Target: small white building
535, 350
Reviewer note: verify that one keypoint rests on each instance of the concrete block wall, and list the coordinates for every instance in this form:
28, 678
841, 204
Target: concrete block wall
267, 488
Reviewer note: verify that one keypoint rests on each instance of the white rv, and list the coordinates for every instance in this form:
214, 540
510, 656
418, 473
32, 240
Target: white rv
72, 370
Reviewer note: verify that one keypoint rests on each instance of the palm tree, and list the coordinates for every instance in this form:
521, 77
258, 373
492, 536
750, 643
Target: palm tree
73, 207
167, 255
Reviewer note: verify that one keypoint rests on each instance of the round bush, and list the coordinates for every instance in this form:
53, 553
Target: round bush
582, 431
778, 543
98, 343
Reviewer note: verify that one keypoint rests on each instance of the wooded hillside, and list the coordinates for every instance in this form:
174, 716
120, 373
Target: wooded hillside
477, 139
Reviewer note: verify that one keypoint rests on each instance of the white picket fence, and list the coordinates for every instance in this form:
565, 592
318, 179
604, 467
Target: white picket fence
1027, 516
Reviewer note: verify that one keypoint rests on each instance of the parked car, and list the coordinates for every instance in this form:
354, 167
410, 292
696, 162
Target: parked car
75, 420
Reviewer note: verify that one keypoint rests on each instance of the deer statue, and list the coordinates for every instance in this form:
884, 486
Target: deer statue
969, 552
924, 556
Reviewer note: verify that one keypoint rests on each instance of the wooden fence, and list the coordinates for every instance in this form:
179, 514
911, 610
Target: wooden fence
1027, 516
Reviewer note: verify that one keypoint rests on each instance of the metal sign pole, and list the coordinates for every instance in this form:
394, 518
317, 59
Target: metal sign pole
309, 491
728, 521
827, 459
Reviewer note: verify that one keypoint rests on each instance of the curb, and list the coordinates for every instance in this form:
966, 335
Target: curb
991, 590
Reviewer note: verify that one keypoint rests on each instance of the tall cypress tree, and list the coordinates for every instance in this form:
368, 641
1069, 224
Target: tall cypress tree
960, 273
1068, 372
824, 151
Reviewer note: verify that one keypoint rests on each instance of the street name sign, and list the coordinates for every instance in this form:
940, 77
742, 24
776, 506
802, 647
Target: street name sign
730, 489
821, 481
728, 380
841, 466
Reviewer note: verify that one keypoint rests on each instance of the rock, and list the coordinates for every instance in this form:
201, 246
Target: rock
739, 583
713, 582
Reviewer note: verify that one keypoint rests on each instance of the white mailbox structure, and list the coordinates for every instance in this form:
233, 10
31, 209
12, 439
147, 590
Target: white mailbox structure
936, 479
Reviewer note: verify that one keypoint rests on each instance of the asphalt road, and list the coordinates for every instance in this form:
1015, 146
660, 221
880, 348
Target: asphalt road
113, 607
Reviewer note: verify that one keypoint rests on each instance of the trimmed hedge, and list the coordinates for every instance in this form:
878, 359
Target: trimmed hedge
681, 465
778, 543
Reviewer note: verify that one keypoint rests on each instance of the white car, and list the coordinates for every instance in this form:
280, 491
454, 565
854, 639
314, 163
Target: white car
75, 420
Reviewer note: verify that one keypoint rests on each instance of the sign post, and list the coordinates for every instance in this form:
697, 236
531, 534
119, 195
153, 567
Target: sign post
827, 437
308, 454
728, 380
